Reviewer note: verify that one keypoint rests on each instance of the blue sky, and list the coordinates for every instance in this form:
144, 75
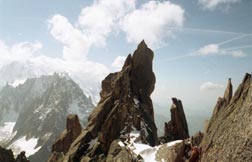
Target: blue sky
198, 44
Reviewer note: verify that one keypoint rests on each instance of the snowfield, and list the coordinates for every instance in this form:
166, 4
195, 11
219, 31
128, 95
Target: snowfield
29, 146
6, 130
147, 152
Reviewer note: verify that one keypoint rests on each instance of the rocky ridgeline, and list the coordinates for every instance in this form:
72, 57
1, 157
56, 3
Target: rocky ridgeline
229, 133
225, 100
125, 106
123, 120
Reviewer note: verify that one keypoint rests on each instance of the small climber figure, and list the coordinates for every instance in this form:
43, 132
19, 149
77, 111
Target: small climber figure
21, 157
195, 155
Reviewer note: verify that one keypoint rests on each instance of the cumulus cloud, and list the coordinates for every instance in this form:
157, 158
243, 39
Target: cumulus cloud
210, 86
18, 52
150, 22
75, 44
95, 23
214, 49
101, 18
213, 4
118, 62
237, 53
209, 49
105, 17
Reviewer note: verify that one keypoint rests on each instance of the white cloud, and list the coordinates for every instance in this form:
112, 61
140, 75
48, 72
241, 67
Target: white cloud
237, 53
209, 49
210, 86
18, 52
94, 25
213, 4
150, 22
75, 44
26, 54
118, 62
214, 49
100, 19
105, 17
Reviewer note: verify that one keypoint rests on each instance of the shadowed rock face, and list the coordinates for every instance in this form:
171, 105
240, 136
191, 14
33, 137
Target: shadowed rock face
229, 134
6, 155
177, 128
125, 106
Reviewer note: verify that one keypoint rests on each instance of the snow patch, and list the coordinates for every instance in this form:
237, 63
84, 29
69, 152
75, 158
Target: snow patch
149, 155
6, 130
120, 143
136, 101
18, 82
169, 144
25, 145
147, 152
92, 143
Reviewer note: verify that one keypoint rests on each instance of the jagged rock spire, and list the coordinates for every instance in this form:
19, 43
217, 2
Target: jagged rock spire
228, 92
225, 100
125, 107
177, 128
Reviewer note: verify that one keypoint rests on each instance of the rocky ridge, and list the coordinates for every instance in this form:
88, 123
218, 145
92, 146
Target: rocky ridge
125, 100
122, 129
228, 136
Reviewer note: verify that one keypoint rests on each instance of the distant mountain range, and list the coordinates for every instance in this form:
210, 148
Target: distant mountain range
34, 113
16, 73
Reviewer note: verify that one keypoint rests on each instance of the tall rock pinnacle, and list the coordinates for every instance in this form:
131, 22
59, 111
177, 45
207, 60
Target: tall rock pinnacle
177, 128
228, 92
225, 100
125, 107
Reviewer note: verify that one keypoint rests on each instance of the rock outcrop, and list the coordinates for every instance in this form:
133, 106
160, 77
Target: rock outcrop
21, 157
225, 100
177, 128
229, 134
125, 106
72, 131
6, 155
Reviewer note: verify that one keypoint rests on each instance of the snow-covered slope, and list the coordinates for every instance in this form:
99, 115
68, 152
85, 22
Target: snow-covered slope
39, 108
161, 153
